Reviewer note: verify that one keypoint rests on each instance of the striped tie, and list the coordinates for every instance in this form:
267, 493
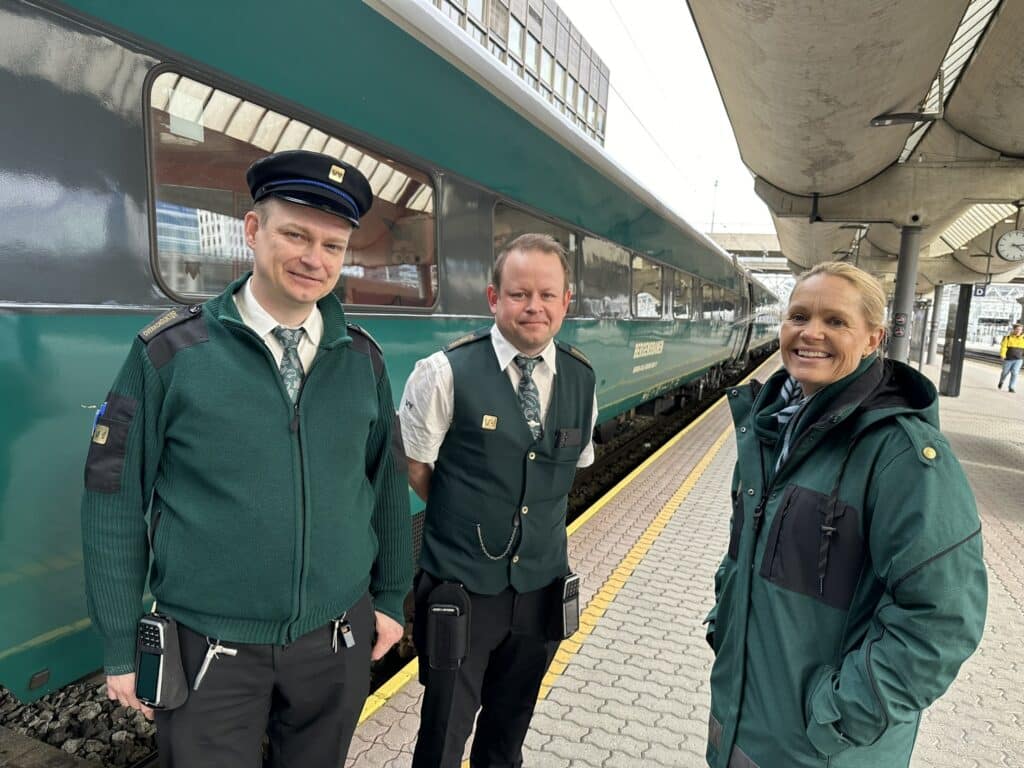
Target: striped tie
529, 397
291, 365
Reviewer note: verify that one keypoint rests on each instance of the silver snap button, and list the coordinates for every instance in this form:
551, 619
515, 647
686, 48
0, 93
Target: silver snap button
743, 429
515, 559
526, 510
750, 491
531, 456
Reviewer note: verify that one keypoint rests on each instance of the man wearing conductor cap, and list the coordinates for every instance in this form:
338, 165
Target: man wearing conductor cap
257, 430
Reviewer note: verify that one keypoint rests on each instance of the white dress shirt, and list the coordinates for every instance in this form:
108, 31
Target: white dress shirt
428, 401
260, 321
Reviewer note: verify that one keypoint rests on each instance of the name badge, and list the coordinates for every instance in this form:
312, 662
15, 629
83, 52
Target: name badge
567, 437
490, 422
100, 434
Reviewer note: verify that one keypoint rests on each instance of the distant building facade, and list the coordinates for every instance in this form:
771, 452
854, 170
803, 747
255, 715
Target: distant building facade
537, 41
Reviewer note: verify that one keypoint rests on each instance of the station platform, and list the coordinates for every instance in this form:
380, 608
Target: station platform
631, 687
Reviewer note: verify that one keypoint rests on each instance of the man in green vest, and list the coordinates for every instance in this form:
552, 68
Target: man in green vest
495, 426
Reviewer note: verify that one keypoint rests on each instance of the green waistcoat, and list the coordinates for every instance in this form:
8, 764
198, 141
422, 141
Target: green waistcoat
494, 487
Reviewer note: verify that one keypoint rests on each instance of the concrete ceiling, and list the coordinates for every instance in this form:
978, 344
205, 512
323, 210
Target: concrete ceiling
987, 104
801, 81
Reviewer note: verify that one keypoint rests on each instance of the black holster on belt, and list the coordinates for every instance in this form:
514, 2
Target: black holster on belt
448, 616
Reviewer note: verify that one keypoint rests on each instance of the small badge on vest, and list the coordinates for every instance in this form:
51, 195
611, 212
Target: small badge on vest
489, 422
567, 437
100, 434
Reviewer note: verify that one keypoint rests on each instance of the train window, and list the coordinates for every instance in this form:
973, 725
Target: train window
605, 279
682, 296
708, 301
646, 288
728, 305
510, 223
203, 140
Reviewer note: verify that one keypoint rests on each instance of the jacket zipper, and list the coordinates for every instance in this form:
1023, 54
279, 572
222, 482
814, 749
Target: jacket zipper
293, 426
778, 535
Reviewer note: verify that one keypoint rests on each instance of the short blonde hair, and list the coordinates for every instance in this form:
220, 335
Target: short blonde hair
872, 297
531, 241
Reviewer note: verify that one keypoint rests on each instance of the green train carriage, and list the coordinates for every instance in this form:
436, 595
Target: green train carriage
121, 192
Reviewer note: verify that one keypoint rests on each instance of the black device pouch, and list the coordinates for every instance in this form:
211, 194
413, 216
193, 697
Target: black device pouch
160, 681
448, 614
564, 607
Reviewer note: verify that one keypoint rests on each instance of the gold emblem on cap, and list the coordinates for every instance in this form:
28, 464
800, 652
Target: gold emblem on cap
100, 434
928, 452
337, 174
490, 422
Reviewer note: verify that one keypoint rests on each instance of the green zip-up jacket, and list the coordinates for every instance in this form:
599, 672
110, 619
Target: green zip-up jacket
267, 519
854, 585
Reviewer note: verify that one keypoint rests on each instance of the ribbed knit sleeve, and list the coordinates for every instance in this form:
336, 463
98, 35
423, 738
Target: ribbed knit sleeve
391, 576
120, 468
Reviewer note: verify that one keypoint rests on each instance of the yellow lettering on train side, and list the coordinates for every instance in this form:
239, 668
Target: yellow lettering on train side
648, 348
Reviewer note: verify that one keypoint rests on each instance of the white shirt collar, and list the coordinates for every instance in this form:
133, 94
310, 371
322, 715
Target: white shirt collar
506, 352
262, 322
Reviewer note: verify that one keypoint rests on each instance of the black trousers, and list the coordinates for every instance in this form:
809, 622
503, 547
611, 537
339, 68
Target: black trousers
509, 653
306, 698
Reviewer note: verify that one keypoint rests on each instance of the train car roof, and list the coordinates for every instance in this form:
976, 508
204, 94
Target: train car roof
422, 21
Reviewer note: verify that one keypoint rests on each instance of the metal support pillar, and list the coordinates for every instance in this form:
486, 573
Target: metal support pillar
933, 331
903, 299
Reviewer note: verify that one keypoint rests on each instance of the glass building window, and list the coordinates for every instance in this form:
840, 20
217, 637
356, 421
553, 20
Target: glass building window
476, 9
454, 12
516, 32
547, 67
646, 288
477, 33
532, 53
605, 286
510, 223
497, 50
204, 139
559, 84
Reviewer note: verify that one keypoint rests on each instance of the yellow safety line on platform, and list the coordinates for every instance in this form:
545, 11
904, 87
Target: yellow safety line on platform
602, 600
380, 697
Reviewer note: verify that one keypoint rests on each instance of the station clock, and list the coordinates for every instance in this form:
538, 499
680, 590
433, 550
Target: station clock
1010, 245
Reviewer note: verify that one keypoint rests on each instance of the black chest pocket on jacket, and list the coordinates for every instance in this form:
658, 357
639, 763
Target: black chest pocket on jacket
736, 525
815, 547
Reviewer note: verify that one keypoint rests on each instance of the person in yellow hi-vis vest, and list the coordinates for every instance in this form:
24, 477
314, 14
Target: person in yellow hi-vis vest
1012, 353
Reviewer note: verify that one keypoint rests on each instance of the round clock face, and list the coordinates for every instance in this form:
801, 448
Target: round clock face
1010, 247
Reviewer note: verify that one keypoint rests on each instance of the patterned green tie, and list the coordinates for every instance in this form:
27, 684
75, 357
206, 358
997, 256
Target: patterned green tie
291, 365
529, 397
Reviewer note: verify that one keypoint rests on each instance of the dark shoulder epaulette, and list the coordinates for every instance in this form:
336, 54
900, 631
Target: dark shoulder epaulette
574, 352
364, 342
366, 334
169, 319
480, 333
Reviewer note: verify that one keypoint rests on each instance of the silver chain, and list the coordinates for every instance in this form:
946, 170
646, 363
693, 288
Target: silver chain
508, 547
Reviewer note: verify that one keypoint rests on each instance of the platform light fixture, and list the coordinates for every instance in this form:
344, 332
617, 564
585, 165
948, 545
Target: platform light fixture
920, 116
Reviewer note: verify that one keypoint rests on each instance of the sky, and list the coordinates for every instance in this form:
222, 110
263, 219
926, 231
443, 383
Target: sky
666, 121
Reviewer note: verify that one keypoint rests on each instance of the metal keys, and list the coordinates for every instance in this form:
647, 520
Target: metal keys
343, 629
213, 652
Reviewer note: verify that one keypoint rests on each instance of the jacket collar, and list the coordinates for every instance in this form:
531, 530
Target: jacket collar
222, 307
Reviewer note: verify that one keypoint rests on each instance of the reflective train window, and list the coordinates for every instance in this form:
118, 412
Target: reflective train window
646, 288
203, 139
510, 223
605, 279
682, 296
